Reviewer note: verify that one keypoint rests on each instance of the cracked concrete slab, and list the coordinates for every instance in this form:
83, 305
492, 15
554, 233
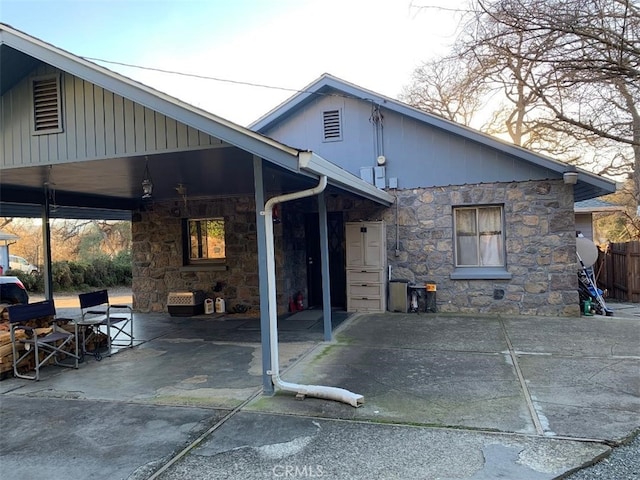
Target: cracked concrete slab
62, 438
418, 373
300, 446
416, 386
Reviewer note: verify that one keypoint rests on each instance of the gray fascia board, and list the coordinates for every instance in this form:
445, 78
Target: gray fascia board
339, 177
206, 122
605, 184
598, 209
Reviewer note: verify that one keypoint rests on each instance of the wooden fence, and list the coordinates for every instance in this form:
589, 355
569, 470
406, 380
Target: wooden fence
618, 271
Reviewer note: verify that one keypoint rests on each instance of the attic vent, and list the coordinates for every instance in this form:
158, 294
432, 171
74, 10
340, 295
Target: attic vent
47, 116
332, 125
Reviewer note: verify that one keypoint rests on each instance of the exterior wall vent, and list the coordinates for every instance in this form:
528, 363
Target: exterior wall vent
332, 125
47, 114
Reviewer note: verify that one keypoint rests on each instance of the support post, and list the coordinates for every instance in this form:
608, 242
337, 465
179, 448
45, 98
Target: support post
46, 243
258, 183
324, 259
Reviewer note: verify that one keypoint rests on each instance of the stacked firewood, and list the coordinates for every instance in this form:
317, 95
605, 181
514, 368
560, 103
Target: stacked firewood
6, 351
42, 326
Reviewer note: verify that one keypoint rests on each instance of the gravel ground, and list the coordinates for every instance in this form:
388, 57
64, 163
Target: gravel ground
622, 464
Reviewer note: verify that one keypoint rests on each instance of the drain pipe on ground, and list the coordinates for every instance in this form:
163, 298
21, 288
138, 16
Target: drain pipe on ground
301, 391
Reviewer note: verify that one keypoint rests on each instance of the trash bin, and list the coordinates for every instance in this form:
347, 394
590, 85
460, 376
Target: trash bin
398, 296
430, 303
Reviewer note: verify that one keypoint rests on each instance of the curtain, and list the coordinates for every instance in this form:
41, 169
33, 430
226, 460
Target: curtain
466, 237
479, 236
490, 227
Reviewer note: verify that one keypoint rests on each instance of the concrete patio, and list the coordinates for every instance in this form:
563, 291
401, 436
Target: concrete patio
452, 397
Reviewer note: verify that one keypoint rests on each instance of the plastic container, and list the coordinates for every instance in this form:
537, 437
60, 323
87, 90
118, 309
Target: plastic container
220, 306
398, 297
208, 306
430, 302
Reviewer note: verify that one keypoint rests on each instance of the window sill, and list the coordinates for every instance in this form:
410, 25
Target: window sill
204, 268
480, 273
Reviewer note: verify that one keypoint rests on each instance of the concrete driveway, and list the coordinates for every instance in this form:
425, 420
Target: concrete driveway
450, 397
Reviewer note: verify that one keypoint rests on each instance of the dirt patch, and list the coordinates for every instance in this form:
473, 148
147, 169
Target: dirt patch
117, 295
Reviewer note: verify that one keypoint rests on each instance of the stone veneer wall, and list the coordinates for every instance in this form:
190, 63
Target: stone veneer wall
294, 247
157, 255
539, 237
539, 233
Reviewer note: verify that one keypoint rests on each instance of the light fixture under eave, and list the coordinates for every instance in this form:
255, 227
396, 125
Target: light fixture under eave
147, 184
570, 178
182, 191
50, 191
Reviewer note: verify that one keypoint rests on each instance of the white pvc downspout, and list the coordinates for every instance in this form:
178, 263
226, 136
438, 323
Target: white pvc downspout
330, 393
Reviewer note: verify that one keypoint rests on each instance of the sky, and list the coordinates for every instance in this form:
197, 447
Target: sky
287, 44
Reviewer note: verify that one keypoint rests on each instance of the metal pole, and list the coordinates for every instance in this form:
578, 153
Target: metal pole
267, 384
324, 259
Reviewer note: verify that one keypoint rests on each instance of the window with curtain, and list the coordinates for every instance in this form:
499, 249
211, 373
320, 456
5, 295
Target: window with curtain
479, 237
204, 240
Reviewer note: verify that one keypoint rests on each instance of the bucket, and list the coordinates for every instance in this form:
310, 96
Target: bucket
431, 297
220, 305
208, 305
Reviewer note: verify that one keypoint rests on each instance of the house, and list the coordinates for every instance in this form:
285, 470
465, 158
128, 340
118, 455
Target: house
389, 187
584, 211
6, 239
491, 224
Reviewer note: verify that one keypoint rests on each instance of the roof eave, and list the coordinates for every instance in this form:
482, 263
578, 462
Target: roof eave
313, 163
207, 122
602, 185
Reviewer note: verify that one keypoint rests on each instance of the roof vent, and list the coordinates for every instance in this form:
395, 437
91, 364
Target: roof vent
332, 125
46, 105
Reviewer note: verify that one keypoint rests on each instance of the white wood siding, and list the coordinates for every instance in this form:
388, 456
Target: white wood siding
96, 124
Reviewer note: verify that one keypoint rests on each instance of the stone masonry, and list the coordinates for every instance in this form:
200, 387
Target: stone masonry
158, 262
539, 237
539, 242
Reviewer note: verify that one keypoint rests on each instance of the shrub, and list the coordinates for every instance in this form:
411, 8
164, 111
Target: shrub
33, 282
61, 275
76, 276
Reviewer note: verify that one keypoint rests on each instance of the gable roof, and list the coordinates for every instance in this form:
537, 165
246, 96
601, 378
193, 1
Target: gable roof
589, 185
20, 53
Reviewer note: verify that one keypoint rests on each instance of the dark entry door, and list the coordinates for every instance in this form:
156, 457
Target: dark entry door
337, 273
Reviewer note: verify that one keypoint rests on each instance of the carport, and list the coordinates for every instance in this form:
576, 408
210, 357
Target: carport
80, 141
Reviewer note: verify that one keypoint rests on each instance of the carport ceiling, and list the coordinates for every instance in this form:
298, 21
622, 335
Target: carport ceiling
116, 183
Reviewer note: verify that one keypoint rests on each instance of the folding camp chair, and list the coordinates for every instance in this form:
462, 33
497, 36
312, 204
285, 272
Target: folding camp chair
99, 316
27, 340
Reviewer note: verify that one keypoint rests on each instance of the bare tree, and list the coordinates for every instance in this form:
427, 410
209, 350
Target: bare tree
583, 66
446, 87
569, 74
5, 221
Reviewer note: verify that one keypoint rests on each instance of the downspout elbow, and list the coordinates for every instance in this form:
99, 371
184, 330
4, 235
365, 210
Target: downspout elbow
331, 393
287, 197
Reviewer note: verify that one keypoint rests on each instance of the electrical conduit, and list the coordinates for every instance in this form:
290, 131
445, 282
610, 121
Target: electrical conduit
318, 391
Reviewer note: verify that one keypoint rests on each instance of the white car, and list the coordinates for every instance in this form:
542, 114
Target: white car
19, 263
